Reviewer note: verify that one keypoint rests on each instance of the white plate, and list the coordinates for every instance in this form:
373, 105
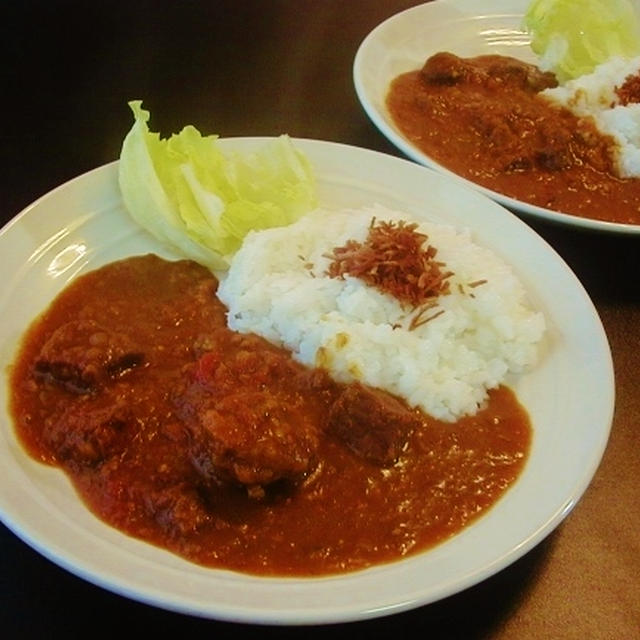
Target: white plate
569, 396
464, 27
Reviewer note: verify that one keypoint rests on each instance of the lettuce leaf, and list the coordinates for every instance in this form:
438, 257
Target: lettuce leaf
202, 202
572, 37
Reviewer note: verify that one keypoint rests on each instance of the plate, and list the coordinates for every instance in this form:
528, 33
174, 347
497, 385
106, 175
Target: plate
403, 43
82, 225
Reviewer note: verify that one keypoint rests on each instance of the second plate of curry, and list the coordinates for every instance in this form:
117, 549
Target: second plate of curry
494, 133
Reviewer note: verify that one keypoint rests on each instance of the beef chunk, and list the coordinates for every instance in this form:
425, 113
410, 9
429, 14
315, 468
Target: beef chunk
67, 375
253, 438
553, 159
90, 431
519, 74
81, 356
447, 69
256, 419
177, 509
372, 423
247, 417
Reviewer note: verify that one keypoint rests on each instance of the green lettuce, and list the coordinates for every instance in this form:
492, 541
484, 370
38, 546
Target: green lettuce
190, 195
572, 37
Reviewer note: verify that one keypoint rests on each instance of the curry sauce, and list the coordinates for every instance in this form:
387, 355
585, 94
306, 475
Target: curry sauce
133, 385
484, 119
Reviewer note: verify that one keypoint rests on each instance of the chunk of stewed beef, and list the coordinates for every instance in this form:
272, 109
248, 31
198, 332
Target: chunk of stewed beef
90, 431
447, 69
80, 356
253, 438
247, 419
178, 510
372, 423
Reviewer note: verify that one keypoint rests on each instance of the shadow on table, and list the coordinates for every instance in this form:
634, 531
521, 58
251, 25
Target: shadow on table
605, 263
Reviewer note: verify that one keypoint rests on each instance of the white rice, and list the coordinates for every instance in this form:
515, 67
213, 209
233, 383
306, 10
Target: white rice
594, 95
277, 287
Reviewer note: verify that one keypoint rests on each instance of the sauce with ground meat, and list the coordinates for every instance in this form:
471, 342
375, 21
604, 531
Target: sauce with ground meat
483, 119
218, 447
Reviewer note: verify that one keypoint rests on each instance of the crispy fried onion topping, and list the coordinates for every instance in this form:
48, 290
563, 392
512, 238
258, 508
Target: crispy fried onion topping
629, 92
395, 260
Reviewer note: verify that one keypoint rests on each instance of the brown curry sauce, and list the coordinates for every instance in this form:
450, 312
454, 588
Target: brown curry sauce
150, 345
483, 118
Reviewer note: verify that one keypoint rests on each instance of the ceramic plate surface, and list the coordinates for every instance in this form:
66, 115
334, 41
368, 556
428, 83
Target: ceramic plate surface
82, 225
464, 27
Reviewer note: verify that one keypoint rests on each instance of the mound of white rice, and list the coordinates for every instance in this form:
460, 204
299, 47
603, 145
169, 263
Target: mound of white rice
594, 95
277, 287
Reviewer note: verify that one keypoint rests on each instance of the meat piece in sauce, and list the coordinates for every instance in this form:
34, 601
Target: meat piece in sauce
253, 438
490, 70
372, 423
90, 431
177, 509
248, 420
549, 149
80, 356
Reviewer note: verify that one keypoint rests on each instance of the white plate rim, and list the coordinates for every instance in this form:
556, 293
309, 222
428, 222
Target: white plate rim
369, 96
273, 600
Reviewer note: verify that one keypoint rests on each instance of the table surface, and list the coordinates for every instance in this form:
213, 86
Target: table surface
263, 68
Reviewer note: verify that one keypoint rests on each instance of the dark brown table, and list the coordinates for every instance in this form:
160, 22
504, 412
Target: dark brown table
238, 67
